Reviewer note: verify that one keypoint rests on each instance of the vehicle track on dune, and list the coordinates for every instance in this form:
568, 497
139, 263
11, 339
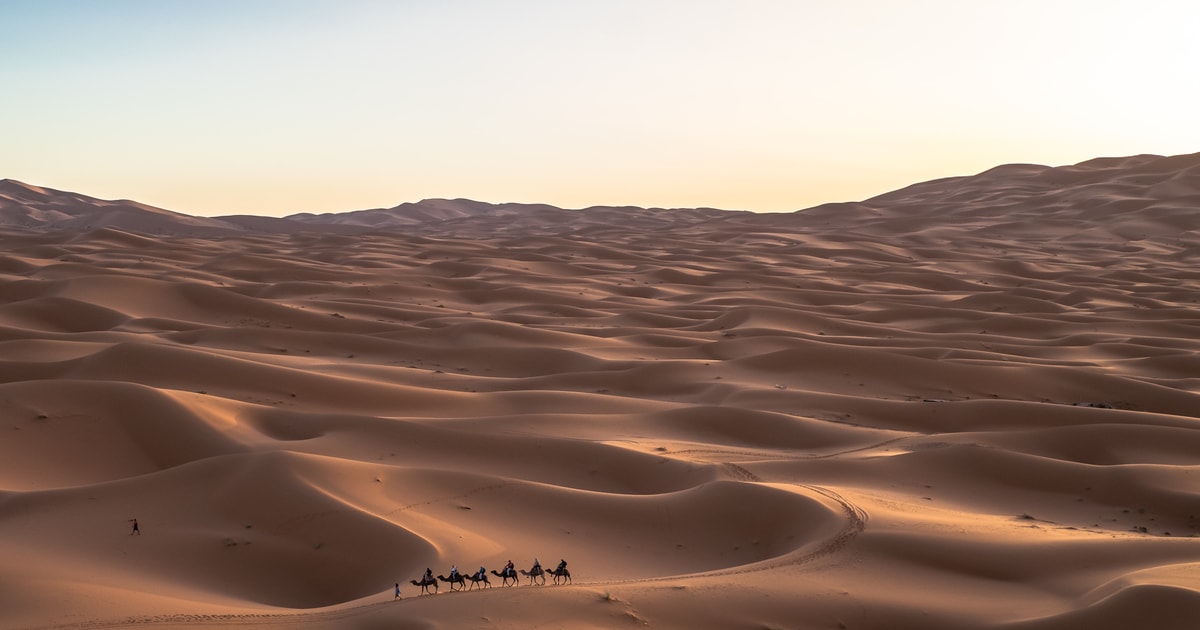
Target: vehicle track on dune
855, 523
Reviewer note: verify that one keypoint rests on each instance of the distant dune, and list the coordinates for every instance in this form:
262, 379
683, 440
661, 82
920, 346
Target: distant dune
43, 209
969, 403
35, 208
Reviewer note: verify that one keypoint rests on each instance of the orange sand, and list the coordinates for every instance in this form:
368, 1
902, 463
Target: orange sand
855, 416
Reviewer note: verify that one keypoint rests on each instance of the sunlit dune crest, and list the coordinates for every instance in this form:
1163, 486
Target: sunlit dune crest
969, 403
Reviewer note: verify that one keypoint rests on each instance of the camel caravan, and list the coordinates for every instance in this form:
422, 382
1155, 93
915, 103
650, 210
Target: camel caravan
509, 576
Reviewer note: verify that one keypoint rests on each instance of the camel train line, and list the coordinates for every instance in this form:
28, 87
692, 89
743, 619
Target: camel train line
508, 575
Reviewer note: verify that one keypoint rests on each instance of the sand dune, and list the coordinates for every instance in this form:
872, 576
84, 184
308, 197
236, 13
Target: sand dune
969, 403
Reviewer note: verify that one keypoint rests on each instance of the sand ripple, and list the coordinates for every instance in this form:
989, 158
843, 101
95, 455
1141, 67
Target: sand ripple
969, 403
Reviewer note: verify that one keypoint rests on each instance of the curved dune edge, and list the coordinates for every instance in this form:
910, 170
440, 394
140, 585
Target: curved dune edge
971, 403
1160, 597
831, 523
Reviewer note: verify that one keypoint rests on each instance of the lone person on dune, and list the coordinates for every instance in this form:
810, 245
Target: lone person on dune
135, 529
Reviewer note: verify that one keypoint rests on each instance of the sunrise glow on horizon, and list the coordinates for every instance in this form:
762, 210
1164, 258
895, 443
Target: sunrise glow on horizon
278, 107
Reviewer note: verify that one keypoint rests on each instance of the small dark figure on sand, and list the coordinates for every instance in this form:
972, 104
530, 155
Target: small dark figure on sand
135, 529
397, 591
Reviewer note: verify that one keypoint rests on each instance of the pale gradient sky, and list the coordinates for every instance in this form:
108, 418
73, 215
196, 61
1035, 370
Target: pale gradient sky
214, 107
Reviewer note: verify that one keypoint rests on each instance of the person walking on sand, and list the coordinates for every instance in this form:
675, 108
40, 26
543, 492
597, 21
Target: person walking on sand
397, 591
135, 529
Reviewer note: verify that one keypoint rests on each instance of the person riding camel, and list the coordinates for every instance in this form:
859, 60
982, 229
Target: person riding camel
428, 577
537, 566
482, 574
509, 569
562, 564
453, 572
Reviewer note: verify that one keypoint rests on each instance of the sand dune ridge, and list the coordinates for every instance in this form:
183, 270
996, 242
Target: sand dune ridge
968, 403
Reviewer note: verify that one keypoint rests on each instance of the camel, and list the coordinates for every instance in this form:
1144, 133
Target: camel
536, 573
507, 575
476, 578
560, 574
425, 584
458, 579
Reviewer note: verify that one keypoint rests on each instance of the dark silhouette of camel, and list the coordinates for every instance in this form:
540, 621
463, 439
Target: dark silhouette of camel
458, 579
425, 584
560, 574
476, 578
536, 573
507, 575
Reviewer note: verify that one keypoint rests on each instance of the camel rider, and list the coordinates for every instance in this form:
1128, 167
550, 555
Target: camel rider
482, 575
428, 577
562, 566
509, 569
453, 572
537, 566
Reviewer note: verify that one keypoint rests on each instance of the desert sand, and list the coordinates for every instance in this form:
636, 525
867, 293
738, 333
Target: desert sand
970, 403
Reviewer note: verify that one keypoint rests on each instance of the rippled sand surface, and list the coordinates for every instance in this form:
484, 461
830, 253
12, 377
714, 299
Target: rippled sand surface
974, 402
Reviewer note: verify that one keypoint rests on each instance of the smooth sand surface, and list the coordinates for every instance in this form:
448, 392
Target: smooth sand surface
971, 403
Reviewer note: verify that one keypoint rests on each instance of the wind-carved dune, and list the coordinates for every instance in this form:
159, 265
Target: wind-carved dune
972, 402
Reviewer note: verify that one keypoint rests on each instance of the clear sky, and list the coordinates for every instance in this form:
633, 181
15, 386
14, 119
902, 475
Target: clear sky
273, 107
